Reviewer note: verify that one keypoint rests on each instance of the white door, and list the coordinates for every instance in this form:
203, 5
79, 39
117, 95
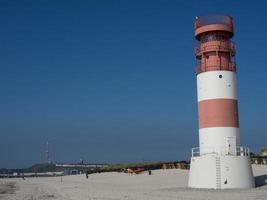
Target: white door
231, 145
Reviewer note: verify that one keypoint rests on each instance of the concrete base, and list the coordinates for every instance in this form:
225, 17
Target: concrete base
221, 172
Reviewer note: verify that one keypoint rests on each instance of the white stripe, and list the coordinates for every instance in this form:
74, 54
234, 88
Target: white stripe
211, 86
216, 137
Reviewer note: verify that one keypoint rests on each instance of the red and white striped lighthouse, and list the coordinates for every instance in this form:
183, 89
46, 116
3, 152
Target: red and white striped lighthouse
217, 161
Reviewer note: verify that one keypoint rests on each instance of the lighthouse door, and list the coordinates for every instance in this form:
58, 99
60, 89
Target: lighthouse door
231, 145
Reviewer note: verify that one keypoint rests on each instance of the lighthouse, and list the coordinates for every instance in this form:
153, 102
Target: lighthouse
219, 162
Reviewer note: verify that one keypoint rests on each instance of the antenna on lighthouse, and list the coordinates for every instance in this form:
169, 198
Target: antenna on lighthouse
47, 155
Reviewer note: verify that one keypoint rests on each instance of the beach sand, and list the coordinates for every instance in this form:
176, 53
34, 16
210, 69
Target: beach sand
161, 185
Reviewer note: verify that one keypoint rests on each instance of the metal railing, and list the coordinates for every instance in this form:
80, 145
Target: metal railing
242, 151
203, 68
228, 46
239, 151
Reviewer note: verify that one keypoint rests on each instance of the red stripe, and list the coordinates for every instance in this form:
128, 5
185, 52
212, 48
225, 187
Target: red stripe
218, 113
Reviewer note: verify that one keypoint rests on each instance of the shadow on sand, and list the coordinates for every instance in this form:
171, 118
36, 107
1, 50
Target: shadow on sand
261, 180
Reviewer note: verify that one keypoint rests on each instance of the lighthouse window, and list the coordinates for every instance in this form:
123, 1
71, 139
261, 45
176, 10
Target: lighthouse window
220, 76
212, 37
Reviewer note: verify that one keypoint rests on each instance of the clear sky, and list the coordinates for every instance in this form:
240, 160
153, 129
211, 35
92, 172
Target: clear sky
114, 81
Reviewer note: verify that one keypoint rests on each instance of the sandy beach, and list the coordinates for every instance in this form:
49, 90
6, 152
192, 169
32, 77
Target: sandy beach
162, 184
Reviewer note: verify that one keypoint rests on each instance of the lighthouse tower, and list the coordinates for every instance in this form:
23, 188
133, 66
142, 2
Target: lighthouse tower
219, 162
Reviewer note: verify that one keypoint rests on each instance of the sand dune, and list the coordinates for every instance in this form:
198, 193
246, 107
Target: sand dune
163, 184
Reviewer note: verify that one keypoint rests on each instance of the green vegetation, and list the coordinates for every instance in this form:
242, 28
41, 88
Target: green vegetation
263, 151
145, 165
117, 167
43, 167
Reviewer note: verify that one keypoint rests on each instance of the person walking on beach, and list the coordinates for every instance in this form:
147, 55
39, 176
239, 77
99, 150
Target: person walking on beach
87, 174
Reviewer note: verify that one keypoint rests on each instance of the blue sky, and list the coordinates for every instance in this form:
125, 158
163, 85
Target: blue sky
114, 81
